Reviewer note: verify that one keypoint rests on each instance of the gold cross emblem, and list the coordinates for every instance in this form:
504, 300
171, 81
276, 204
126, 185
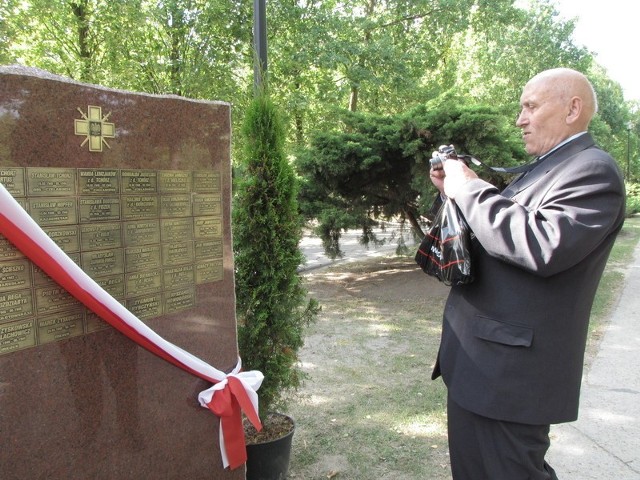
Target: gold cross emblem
95, 127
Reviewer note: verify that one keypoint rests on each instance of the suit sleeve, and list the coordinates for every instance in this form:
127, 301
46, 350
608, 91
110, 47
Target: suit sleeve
568, 213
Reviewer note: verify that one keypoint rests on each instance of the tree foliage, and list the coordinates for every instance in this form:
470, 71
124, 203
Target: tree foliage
378, 166
500, 52
375, 56
371, 57
192, 48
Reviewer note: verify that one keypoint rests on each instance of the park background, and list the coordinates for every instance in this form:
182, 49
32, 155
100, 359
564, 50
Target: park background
340, 68
327, 61
334, 67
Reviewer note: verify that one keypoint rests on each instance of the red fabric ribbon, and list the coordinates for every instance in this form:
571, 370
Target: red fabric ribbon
229, 407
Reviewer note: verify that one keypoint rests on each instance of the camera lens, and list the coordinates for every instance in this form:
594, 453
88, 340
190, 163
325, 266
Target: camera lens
436, 161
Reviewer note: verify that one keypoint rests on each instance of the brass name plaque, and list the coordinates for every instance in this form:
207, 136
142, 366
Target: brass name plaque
15, 305
8, 251
54, 211
207, 227
142, 232
97, 209
175, 229
139, 181
60, 326
15, 275
16, 336
100, 235
67, 237
142, 258
176, 300
172, 181
50, 182
208, 249
102, 262
98, 181
177, 253
114, 284
53, 298
147, 237
144, 282
207, 205
208, 271
13, 180
146, 306
140, 206
175, 205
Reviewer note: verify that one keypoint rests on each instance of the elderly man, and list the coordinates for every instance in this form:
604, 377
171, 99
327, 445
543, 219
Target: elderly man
513, 341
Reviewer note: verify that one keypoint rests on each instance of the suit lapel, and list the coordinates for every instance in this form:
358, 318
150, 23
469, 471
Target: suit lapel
546, 165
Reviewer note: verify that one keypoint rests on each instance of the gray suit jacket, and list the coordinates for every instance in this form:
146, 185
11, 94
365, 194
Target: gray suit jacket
513, 341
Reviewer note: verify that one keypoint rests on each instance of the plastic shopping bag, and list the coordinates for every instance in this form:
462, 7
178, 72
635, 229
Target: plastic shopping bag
445, 252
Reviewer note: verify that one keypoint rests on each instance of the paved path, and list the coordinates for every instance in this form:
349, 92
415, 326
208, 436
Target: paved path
604, 443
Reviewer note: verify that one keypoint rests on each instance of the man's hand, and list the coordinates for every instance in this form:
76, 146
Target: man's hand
437, 178
457, 174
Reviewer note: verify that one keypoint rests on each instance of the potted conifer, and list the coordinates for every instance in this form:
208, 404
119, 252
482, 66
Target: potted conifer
272, 304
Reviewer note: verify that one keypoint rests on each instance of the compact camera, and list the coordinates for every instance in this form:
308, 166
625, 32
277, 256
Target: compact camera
445, 152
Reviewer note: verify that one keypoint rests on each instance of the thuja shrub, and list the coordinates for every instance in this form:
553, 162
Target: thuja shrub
272, 305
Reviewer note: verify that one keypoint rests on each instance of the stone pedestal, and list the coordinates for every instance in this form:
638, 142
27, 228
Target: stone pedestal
136, 190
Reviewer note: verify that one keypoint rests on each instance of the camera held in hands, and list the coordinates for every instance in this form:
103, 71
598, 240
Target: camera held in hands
445, 152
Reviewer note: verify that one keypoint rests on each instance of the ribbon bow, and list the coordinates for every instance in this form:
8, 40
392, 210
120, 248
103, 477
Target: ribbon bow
228, 399
230, 395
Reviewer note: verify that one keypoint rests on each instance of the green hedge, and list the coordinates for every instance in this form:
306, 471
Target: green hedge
633, 198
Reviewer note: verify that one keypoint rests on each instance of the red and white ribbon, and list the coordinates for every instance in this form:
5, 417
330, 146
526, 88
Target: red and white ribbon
230, 395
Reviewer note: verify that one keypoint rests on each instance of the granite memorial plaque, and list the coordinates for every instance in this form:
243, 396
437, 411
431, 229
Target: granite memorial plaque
136, 189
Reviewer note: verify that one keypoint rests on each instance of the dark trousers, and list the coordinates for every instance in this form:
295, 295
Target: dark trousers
481, 448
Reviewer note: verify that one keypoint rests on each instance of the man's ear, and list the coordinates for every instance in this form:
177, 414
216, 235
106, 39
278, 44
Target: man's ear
575, 110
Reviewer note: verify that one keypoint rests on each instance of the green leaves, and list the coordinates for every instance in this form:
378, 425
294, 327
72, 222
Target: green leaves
382, 56
379, 165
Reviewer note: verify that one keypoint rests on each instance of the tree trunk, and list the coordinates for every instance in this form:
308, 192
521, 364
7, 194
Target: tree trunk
353, 99
81, 14
415, 224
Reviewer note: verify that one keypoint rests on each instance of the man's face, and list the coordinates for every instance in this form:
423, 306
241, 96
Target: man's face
542, 118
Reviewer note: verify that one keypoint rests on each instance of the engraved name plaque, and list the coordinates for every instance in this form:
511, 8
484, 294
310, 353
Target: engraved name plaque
160, 241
